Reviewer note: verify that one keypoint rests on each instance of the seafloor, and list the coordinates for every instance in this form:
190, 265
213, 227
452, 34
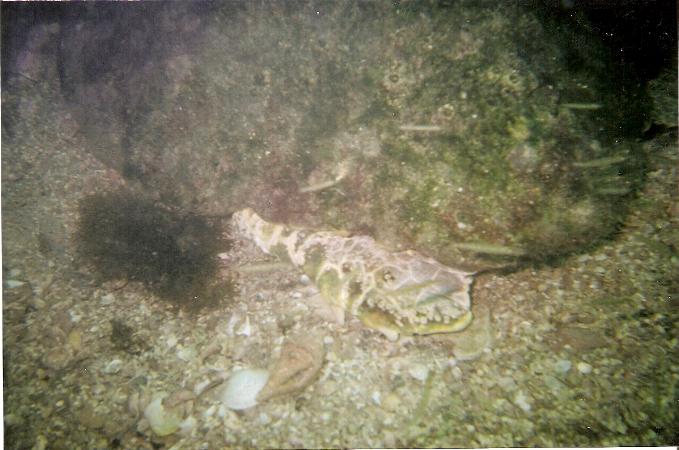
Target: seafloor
582, 352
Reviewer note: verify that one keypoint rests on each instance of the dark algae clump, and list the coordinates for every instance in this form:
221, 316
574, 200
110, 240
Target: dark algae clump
126, 236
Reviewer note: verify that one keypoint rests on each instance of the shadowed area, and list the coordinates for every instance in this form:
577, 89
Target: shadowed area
128, 237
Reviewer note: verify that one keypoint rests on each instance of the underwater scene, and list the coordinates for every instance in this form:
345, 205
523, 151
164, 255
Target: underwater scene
313, 224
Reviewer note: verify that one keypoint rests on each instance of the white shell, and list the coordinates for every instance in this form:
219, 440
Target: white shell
163, 422
242, 388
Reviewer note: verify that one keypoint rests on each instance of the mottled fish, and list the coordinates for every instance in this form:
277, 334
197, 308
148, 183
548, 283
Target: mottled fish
394, 293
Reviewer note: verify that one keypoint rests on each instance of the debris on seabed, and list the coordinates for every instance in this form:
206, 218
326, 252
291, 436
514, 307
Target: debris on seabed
582, 106
490, 249
422, 128
342, 171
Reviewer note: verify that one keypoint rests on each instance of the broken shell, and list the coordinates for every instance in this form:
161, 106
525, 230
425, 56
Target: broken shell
297, 367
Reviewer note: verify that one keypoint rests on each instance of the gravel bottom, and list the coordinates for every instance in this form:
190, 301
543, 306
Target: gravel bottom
583, 353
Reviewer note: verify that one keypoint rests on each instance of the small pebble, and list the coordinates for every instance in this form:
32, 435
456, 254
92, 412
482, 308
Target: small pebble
391, 402
264, 419
114, 366
522, 401
377, 398
108, 299
419, 372
171, 341
562, 366
507, 383
187, 353
584, 368
12, 284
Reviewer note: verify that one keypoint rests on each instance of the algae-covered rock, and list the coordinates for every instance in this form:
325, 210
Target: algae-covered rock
491, 144
472, 132
663, 92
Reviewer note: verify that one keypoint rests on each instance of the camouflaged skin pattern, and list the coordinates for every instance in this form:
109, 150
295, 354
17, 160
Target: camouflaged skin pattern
395, 293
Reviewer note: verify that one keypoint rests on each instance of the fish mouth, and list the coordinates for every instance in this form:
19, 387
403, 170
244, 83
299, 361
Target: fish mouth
388, 324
